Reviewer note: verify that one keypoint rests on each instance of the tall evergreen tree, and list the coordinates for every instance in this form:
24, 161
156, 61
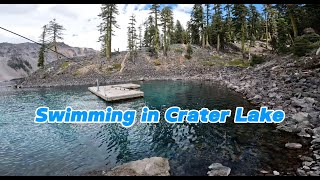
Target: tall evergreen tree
178, 33
132, 37
155, 12
291, 8
149, 32
253, 24
54, 31
267, 8
207, 23
42, 50
229, 25
187, 33
217, 23
240, 12
140, 36
108, 15
166, 21
197, 24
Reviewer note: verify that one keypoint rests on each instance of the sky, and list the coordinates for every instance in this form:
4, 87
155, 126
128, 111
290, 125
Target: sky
79, 20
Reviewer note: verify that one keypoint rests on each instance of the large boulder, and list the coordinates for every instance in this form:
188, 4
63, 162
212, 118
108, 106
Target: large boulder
218, 169
154, 166
293, 145
301, 117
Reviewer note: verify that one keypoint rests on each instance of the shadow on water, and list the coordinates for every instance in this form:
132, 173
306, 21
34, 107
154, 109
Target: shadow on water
27, 148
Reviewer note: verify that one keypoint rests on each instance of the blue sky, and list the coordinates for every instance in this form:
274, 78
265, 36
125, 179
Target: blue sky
173, 6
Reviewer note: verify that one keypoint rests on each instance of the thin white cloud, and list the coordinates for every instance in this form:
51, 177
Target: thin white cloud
184, 7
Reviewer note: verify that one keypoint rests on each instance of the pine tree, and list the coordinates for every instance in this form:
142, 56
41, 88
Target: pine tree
54, 31
166, 20
291, 11
266, 10
42, 50
282, 36
196, 24
229, 24
253, 21
108, 13
207, 23
189, 51
149, 31
273, 25
140, 37
178, 33
240, 12
132, 37
217, 23
155, 12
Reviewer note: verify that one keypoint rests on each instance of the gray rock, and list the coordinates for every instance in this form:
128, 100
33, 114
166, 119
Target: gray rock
301, 116
301, 172
258, 97
276, 173
272, 95
318, 52
316, 131
313, 173
298, 102
306, 158
264, 172
293, 145
307, 163
316, 141
306, 168
303, 133
288, 126
154, 166
290, 65
316, 156
310, 100
218, 169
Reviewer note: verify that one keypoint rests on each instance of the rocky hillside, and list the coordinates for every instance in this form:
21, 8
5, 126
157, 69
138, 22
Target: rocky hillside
20, 60
85, 70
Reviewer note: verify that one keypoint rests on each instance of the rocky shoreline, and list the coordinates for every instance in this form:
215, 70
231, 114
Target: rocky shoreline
285, 84
280, 83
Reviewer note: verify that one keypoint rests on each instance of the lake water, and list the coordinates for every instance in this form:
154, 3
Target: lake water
27, 148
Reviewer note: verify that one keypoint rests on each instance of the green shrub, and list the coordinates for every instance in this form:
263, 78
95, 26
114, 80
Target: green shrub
256, 59
189, 50
215, 57
64, 65
177, 50
238, 63
157, 62
305, 43
116, 66
76, 73
208, 63
300, 46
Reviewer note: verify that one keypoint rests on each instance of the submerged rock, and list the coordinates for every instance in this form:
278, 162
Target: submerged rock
293, 145
276, 173
301, 172
154, 166
218, 169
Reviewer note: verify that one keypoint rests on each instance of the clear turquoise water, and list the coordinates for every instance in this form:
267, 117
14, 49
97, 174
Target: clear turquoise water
27, 148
